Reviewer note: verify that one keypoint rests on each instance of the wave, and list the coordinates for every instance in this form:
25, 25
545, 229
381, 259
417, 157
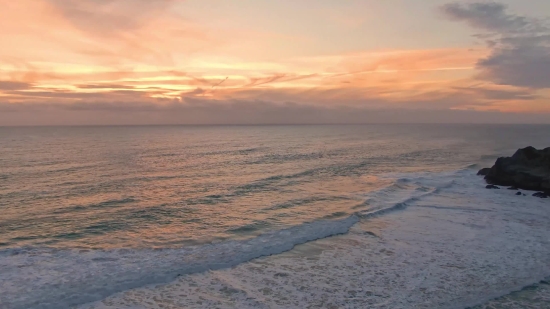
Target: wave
305, 201
405, 191
98, 205
83, 276
62, 278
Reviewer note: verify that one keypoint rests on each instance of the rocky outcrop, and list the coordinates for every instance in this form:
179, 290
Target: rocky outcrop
527, 169
484, 171
541, 195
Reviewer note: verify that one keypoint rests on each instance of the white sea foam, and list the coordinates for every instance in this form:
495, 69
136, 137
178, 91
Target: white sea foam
457, 244
71, 277
404, 192
62, 278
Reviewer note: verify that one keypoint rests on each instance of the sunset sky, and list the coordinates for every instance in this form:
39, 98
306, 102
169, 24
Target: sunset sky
266, 61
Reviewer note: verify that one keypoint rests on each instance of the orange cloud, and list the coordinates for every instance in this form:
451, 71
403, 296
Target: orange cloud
391, 76
147, 52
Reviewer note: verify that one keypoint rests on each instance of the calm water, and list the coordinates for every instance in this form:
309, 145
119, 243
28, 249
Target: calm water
156, 187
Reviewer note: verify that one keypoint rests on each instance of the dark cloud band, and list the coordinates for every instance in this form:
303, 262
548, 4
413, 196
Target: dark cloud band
520, 45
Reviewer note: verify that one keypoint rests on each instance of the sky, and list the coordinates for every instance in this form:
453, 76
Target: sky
70, 62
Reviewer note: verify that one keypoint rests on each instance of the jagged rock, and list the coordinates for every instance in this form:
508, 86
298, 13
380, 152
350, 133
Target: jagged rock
484, 171
541, 195
519, 193
527, 169
491, 187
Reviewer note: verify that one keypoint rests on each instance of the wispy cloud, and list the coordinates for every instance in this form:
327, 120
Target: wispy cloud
500, 94
11, 85
110, 17
201, 111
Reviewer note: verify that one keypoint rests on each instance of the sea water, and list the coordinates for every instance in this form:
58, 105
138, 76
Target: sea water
86, 212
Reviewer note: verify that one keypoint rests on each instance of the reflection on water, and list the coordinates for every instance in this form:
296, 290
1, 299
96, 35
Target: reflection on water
105, 187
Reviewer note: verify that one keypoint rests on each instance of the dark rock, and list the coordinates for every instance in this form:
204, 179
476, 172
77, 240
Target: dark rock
484, 171
527, 169
540, 194
491, 187
519, 193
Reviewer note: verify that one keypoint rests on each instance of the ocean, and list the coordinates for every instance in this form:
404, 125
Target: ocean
251, 216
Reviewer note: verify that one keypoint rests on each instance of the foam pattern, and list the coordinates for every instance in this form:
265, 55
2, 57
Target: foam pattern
72, 277
63, 278
458, 246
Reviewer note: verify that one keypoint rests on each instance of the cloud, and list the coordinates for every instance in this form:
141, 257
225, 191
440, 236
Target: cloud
371, 91
48, 96
108, 17
114, 32
203, 111
499, 94
520, 45
104, 86
11, 85
364, 97
278, 78
490, 16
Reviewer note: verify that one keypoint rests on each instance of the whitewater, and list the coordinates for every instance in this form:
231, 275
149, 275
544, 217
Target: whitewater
403, 235
435, 241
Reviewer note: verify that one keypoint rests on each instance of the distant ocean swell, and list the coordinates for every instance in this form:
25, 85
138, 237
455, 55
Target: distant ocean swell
63, 278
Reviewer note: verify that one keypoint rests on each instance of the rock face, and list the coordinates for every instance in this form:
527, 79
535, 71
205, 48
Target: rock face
484, 171
527, 169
